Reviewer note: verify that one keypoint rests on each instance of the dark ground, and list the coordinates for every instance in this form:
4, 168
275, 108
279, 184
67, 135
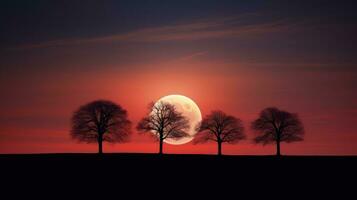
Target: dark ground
91, 174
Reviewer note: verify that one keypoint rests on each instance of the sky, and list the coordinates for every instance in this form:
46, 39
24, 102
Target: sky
236, 56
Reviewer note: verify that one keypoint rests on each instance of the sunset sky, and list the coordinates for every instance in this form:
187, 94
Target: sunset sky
236, 56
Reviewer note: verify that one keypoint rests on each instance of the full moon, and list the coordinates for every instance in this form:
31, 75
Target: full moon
189, 109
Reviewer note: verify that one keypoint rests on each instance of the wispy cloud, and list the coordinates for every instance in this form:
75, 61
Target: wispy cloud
205, 29
192, 56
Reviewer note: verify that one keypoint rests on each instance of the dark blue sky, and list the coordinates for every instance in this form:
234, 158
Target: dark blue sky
36, 21
324, 30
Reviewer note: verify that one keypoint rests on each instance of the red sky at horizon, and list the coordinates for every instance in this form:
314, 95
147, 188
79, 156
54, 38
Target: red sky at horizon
131, 92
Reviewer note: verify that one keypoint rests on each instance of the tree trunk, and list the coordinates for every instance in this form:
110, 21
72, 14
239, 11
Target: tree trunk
219, 148
278, 148
161, 145
100, 144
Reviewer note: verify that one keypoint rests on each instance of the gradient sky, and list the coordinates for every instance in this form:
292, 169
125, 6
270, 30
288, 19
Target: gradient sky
237, 56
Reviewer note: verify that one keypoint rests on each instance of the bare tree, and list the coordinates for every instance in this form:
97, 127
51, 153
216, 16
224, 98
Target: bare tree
276, 126
164, 121
220, 127
100, 121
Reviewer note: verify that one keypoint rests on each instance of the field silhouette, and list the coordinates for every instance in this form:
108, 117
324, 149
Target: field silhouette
121, 174
144, 164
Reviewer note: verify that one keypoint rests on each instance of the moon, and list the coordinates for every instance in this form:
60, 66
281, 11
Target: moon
189, 109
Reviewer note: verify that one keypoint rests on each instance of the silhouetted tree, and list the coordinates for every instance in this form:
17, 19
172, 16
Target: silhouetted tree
100, 121
276, 126
165, 122
220, 127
